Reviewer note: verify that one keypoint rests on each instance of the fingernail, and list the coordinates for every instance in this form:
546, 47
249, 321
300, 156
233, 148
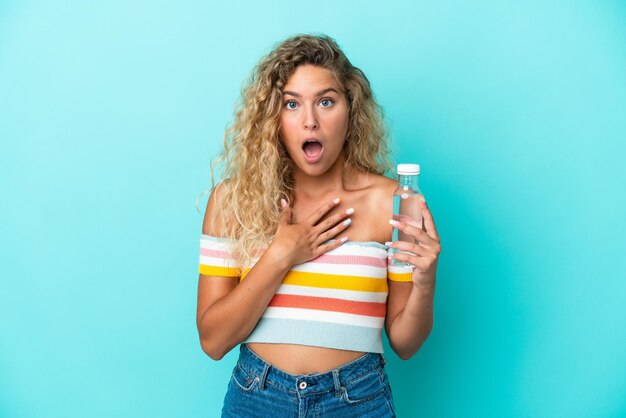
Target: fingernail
283, 202
336, 200
344, 239
388, 243
347, 222
393, 222
350, 211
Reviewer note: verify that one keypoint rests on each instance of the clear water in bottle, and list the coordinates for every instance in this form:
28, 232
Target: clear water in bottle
406, 204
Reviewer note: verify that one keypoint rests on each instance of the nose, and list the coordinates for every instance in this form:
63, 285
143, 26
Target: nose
310, 119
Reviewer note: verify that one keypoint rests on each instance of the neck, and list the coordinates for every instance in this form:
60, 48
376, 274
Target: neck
333, 182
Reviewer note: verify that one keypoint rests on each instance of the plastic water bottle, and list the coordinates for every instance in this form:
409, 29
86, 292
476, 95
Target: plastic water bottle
406, 203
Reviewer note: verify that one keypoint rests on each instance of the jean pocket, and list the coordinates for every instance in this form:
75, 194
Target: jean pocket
363, 389
244, 379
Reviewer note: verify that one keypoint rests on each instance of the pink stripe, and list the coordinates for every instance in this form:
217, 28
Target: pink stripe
324, 258
214, 253
351, 259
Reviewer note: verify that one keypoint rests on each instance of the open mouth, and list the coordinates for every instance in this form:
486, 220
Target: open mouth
312, 150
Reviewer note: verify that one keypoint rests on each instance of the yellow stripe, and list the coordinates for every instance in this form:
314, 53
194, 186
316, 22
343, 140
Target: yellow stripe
333, 281
400, 277
218, 271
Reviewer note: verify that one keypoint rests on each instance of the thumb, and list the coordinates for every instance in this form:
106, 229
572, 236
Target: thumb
285, 216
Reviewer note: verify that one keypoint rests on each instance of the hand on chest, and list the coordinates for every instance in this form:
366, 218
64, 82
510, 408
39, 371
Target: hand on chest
369, 222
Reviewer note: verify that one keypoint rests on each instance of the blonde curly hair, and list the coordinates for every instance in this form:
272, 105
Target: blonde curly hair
255, 164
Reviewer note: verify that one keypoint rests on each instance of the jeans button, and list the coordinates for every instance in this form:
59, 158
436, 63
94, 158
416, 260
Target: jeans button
302, 385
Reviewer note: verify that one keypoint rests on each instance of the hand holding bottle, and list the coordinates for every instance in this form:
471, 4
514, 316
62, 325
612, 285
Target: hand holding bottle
422, 251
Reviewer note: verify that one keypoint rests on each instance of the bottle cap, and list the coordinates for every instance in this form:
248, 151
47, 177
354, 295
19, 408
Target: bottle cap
409, 169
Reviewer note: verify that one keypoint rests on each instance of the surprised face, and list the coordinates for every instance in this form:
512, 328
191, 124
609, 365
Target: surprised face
313, 119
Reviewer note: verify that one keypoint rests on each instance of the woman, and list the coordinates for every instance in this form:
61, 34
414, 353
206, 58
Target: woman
292, 264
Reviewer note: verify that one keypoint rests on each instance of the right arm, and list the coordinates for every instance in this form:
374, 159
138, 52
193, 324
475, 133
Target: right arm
227, 310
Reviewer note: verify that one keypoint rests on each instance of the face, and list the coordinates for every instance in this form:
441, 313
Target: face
313, 119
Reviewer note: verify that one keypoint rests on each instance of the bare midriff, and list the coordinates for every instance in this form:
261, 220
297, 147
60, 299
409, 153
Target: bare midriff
302, 359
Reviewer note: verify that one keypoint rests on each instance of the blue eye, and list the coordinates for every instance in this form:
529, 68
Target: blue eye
326, 102
289, 104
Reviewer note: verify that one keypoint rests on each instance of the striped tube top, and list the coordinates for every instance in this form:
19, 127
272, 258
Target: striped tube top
337, 300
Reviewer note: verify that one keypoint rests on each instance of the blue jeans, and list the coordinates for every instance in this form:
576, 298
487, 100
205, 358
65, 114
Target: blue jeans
357, 389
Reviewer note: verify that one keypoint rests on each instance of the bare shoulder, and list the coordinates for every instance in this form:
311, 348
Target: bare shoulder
213, 224
380, 188
379, 205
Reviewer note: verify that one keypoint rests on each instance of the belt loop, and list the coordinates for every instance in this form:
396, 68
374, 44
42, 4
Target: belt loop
337, 383
263, 377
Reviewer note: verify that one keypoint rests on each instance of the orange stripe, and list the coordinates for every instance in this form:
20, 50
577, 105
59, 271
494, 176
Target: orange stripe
333, 281
329, 304
218, 271
400, 277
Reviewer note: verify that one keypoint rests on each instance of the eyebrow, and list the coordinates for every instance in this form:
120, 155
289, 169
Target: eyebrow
319, 93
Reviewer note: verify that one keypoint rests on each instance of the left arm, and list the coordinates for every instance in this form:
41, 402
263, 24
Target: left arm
410, 305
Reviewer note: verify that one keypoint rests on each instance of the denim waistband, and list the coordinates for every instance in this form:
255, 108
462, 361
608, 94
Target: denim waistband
312, 383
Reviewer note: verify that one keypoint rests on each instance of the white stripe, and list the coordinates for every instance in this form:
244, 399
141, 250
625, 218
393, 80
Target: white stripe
213, 245
399, 269
288, 289
324, 316
350, 248
359, 250
342, 269
218, 262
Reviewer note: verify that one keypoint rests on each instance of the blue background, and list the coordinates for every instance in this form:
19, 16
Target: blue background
110, 113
